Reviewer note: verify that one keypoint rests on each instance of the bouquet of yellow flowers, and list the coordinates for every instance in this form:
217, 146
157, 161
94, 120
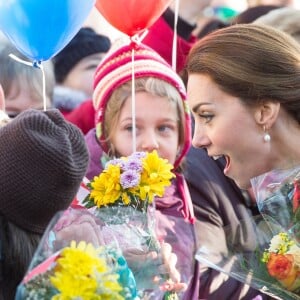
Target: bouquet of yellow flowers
122, 197
79, 271
130, 181
70, 269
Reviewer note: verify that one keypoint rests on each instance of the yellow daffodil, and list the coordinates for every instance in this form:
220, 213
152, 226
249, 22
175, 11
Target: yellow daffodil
155, 177
106, 188
81, 273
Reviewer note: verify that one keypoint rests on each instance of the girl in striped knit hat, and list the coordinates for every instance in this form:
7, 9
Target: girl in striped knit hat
159, 121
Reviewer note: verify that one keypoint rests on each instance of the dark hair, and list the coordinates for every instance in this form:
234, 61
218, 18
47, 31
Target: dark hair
17, 247
251, 62
252, 13
210, 26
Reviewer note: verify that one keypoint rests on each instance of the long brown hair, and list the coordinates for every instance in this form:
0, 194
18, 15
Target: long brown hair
251, 62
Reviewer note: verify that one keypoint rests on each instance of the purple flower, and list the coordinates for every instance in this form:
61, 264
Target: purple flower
129, 179
138, 155
133, 164
115, 162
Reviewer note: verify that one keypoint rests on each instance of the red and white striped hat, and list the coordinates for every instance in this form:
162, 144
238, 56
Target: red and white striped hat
116, 69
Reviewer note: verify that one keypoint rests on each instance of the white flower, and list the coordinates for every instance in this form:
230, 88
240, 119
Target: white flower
275, 243
295, 251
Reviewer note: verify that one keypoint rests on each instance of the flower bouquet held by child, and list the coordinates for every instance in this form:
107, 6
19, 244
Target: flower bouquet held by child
63, 268
123, 195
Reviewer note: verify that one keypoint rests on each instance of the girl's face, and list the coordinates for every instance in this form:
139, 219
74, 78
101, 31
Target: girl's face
224, 126
156, 127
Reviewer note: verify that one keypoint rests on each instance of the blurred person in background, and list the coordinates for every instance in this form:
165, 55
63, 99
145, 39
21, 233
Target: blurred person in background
286, 19
74, 68
271, 2
22, 84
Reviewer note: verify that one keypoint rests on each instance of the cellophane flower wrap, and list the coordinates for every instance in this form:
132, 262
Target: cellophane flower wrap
122, 196
278, 198
67, 265
270, 260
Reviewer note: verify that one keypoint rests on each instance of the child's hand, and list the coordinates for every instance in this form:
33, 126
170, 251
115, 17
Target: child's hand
173, 276
145, 265
77, 227
151, 268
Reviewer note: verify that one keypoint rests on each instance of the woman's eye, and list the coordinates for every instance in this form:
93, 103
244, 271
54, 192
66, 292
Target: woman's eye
206, 117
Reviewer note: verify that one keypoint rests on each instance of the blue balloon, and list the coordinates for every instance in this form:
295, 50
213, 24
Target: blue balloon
41, 28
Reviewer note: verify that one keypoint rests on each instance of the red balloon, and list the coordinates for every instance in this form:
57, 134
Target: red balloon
131, 16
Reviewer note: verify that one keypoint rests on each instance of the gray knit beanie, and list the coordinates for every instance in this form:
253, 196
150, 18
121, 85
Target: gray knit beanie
43, 159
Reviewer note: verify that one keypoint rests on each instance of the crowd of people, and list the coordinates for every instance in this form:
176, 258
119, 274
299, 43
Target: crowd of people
227, 115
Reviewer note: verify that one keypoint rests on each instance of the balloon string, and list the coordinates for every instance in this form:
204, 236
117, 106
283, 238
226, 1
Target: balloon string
133, 102
36, 64
39, 65
174, 47
138, 38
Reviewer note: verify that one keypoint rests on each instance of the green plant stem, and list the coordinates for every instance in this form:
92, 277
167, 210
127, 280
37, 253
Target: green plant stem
171, 296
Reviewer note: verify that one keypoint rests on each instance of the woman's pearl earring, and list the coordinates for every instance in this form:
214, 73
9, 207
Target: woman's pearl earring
267, 137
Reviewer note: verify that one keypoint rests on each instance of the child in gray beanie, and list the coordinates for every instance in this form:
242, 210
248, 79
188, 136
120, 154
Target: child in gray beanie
43, 159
